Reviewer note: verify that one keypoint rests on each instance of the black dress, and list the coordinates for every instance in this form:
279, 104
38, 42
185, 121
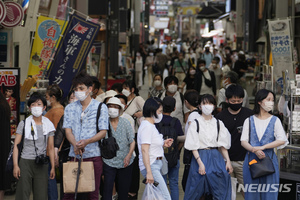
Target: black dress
5, 141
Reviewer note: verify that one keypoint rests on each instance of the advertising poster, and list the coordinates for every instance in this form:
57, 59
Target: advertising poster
281, 47
72, 52
46, 35
10, 87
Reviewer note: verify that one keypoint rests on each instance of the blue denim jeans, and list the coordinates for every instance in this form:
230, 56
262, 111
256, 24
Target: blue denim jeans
162, 186
172, 175
52, 186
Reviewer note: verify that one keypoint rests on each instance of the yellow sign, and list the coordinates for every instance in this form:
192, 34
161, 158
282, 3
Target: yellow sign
189, 10
47, 34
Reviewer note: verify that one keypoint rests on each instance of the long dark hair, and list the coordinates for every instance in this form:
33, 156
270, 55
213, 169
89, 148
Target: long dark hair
259, 97
5, 105
131, 84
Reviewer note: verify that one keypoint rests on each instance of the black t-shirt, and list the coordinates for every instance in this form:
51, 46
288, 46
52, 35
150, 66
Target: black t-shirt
234, 124
190, 82
238, 66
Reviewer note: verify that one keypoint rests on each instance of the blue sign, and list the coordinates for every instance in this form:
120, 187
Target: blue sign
72, 52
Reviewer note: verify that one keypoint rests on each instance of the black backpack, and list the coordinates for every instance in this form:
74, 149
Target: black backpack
169, 131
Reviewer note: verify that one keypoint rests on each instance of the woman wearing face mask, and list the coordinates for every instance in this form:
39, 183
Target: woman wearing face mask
209, 173
266, 134
189, 80
135, 104
138, 67
150, 144
157, 89
191, 58
150, 60
53, 97
171, 85
205, 80
120, 167
31, 170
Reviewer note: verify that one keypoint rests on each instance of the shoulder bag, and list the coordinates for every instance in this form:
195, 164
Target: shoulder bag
259, 168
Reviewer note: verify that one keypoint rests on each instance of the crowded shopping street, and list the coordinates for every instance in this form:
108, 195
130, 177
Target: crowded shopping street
149, 99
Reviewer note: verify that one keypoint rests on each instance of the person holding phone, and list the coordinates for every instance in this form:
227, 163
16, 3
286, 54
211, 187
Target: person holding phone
150, 144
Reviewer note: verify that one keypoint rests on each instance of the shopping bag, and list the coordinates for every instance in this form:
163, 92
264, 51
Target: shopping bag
86, 181
152, 193
233, 188
164, 169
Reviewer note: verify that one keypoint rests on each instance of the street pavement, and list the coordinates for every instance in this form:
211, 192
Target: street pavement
144, 93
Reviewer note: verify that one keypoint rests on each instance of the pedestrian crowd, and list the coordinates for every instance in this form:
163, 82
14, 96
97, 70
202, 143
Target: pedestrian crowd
195, 109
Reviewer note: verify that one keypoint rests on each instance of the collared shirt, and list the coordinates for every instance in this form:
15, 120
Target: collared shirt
124, 136
178, 67
83, 125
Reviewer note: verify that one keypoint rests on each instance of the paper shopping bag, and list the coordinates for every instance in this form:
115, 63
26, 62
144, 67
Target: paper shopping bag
86, 178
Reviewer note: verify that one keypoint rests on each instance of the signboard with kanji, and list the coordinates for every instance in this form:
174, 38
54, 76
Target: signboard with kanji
281, 47
46, 35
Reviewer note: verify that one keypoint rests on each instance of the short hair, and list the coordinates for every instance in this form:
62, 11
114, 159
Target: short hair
121, 96
117, 86
170, 79
200, 61
54, 90
131, 85
260, 96
169, 103
83, 78
96, 82
233, 76
161, 77
234, 91
208, 98
192, 97
34, 97
217, 59
151, 106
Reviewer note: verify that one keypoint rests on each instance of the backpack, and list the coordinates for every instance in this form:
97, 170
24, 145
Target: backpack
169, 131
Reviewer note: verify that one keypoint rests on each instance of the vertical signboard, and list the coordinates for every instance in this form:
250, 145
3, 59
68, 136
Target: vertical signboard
10, 87
280, 40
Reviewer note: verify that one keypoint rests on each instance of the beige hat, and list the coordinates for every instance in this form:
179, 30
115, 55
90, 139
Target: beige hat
116, 101
109, 93
207, 45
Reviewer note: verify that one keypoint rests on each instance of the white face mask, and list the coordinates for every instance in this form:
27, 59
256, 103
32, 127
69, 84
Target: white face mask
213, 65
150, 54
157, 83
268, 105
125, 92
113, 112
202, 68
80, 95
207, 109
48, 103
158, 119
37, 111
193, 72
172, 88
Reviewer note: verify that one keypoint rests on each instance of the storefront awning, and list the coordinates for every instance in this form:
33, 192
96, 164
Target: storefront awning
213, 33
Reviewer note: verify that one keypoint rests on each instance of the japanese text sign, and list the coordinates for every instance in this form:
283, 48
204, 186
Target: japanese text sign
72, 52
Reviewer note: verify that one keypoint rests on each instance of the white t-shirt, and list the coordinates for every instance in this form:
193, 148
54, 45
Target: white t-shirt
120, 58
192, 116
130, 119
261, 126
207, 136
148, 134
204, 88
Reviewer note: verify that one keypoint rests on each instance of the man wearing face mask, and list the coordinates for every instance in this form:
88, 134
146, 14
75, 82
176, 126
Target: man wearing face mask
207, 55
233, 118
180, 67
215, 67
80, 126
205, 81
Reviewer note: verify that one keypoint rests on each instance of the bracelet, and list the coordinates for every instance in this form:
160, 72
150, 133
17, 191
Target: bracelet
197, 158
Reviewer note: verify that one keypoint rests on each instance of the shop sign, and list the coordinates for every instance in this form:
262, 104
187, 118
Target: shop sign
2, 11
14, 15
10, 87
281, 47
72, 52
46, 36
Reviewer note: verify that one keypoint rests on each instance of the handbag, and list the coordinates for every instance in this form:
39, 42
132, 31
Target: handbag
108, 146
260, 167
10, 163
86, 179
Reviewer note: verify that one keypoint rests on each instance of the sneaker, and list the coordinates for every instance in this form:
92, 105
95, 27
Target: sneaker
115, 197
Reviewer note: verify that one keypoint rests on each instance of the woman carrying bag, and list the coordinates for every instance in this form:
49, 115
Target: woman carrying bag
31, 170
266, 134
120, 167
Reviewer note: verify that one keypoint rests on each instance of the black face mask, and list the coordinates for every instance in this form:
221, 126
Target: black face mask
206, 50
235, 107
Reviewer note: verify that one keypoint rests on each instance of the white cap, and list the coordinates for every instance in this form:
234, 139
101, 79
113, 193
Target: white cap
207, 45
109, 93
116, 101
241, 52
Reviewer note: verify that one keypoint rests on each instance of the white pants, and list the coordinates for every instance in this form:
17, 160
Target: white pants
139, 78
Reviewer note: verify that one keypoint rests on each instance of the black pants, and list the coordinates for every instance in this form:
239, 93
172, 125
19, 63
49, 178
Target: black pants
135, 178
121, 176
